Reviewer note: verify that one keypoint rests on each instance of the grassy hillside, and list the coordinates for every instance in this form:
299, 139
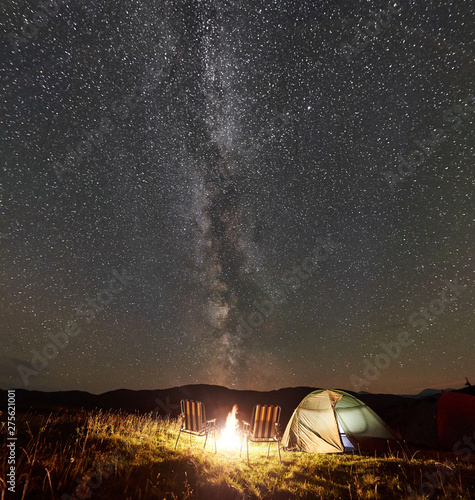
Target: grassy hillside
117, 455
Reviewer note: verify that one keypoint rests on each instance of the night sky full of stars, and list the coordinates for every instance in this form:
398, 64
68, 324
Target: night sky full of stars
251, 193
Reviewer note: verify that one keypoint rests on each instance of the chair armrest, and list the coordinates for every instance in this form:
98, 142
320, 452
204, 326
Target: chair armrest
246, 427
211, 423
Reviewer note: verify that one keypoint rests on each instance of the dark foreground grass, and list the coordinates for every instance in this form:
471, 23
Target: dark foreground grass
120, 456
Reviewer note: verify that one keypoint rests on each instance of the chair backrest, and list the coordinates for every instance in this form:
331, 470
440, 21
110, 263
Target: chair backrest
264, 418
195, 415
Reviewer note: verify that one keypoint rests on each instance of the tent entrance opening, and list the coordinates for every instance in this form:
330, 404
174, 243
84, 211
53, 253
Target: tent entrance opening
346, 442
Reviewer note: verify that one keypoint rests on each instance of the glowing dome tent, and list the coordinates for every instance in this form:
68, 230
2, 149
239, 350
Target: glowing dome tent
334, 421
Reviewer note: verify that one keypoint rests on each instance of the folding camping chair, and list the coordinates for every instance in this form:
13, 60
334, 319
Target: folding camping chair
263, 427
193, 422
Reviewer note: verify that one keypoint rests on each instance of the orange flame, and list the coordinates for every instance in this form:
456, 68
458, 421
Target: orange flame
229, 436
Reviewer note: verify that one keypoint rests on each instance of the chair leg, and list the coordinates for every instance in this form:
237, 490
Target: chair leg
278, 449
215, 445
176, 444
268, 450
206, 439
247, 444
191, 444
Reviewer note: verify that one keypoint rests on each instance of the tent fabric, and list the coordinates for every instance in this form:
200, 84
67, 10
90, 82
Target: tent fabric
455, 418
313, 426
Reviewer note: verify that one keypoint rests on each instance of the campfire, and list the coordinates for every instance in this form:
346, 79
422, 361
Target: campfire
229, 435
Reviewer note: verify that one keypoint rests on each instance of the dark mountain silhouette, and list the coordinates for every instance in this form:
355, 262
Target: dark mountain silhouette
468, 390
218, 400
